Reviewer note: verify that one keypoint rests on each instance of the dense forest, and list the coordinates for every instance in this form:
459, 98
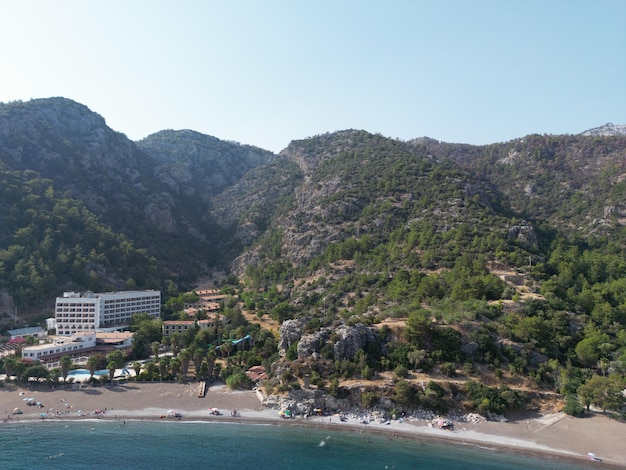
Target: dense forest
480, 277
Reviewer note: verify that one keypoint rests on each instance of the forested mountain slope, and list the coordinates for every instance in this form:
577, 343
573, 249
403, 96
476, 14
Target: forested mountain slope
572, 182
502, 261
155, 194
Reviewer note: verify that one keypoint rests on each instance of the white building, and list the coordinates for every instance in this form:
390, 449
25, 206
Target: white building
76, 346
76, 312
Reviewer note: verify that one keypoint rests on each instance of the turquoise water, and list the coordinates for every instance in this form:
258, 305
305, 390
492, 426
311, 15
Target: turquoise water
107, 444
82, 372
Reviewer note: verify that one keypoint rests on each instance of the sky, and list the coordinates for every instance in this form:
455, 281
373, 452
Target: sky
266, 72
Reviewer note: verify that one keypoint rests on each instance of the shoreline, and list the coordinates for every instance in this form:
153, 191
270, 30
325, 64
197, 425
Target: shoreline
558, 436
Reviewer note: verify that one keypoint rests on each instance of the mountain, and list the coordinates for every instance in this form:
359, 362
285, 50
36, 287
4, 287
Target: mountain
198, 165
503, 263
154, 192
572, 182
194, 202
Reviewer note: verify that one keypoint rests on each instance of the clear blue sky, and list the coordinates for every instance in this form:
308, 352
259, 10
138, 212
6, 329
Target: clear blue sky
265, 72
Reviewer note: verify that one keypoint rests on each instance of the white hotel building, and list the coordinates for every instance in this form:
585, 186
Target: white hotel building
76, 312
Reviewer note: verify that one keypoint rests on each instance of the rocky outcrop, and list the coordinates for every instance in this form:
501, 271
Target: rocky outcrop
525, 235
7, 304
352, 339
310, 344
304, 401
290, 333
607, 130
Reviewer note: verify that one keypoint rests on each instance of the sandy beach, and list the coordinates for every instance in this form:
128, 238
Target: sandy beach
554, 434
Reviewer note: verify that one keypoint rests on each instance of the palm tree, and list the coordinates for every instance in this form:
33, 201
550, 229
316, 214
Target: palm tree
175, 365
197, 356
55, 374
184, 362
137, 368
176, 342
92, 364
111, 366
151, 370
164, 365
65, 363
155, 349
210, 361
227, 347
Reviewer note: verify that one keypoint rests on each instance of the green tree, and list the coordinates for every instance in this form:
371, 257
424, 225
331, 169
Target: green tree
587, 352
36, 371
369, 399
572, 406
13, 366
604, 392
154, 348
418, 327
404, 393
117, 357
140, 348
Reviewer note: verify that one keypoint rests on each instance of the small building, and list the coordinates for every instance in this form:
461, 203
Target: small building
35, 331
207, 323
114, 339
180, 326
256, 373
177, 326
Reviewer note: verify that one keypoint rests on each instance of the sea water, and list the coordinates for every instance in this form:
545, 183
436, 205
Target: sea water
135, 444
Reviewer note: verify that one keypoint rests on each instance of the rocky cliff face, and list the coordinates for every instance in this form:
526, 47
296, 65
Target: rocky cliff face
69, 144
351, 339
198, 165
